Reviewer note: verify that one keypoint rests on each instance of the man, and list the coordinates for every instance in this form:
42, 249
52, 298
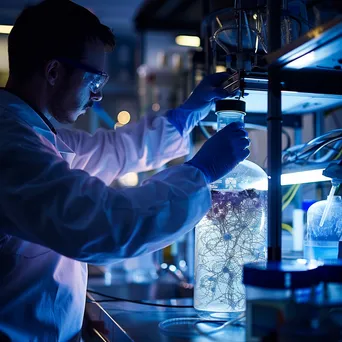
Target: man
56, 211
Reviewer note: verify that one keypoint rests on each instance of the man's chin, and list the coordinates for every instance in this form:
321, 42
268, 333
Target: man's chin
67, 120
70, 118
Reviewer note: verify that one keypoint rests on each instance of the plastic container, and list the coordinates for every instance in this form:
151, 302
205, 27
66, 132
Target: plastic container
278, 293
329, 302
232, 233
332, 280
321, 242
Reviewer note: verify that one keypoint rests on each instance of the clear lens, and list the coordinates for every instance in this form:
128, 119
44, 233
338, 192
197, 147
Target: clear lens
95, 82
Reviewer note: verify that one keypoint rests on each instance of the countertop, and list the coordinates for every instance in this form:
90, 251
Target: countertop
124, 321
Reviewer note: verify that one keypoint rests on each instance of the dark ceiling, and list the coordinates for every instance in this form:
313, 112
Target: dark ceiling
117, 14
158, 15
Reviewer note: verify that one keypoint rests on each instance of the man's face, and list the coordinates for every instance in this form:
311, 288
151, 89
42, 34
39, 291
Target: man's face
72, 95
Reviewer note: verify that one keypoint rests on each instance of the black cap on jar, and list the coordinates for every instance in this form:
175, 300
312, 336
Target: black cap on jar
233, 105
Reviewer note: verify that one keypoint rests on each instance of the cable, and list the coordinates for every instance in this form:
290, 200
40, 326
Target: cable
316, 148
303, 153
325, 144
339, 155
170, 322
179, 327
118, 299
189, 326
215, 330
323, 137
141, 303
286, 227
289, 200
288, 143
288, 194
304, 157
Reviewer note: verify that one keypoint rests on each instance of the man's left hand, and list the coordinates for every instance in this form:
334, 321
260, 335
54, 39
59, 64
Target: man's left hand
200, 102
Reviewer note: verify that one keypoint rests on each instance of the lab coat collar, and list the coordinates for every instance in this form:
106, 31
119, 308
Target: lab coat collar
37, 120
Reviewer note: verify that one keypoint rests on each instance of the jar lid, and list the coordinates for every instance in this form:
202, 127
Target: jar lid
332, 271
231, 105
287, 274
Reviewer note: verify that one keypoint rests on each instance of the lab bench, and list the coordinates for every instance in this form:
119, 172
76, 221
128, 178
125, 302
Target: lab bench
139, 309
125, 321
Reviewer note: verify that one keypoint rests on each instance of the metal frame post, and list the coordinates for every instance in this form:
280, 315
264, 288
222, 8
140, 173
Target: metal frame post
318, 126
298, 138
205, 34
274, 125
319, 130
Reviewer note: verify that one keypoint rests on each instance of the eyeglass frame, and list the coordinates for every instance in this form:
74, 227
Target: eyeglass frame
85, 67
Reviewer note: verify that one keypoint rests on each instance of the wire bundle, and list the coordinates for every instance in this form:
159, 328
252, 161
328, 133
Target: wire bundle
329, 143
118, 299
171, 325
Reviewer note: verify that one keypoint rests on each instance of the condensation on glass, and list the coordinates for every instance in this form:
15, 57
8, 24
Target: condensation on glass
231, 234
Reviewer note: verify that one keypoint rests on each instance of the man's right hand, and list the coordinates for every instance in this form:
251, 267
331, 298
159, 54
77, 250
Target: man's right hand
222, 152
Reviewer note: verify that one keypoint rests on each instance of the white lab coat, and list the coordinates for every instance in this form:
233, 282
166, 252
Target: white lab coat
55, 216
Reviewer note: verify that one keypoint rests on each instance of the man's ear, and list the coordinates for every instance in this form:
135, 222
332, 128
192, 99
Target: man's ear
52, 71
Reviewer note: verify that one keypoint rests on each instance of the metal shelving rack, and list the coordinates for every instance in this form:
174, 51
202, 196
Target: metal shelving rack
311, 64
308, 70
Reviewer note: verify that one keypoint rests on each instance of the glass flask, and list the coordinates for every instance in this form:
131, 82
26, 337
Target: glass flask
232, 233
322, 237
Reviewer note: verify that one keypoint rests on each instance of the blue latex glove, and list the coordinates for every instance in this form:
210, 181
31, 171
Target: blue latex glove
199, 103
222, 152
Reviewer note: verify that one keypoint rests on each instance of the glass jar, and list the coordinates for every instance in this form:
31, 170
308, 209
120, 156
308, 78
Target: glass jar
232, 233
278, 295
321, 242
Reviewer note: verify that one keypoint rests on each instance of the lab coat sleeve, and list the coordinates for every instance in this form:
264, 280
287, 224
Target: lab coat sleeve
43, 201
136, 147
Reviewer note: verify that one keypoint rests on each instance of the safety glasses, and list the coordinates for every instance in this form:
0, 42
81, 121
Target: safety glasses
95, 79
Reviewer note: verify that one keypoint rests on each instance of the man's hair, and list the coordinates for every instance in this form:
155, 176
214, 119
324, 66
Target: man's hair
52, 29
